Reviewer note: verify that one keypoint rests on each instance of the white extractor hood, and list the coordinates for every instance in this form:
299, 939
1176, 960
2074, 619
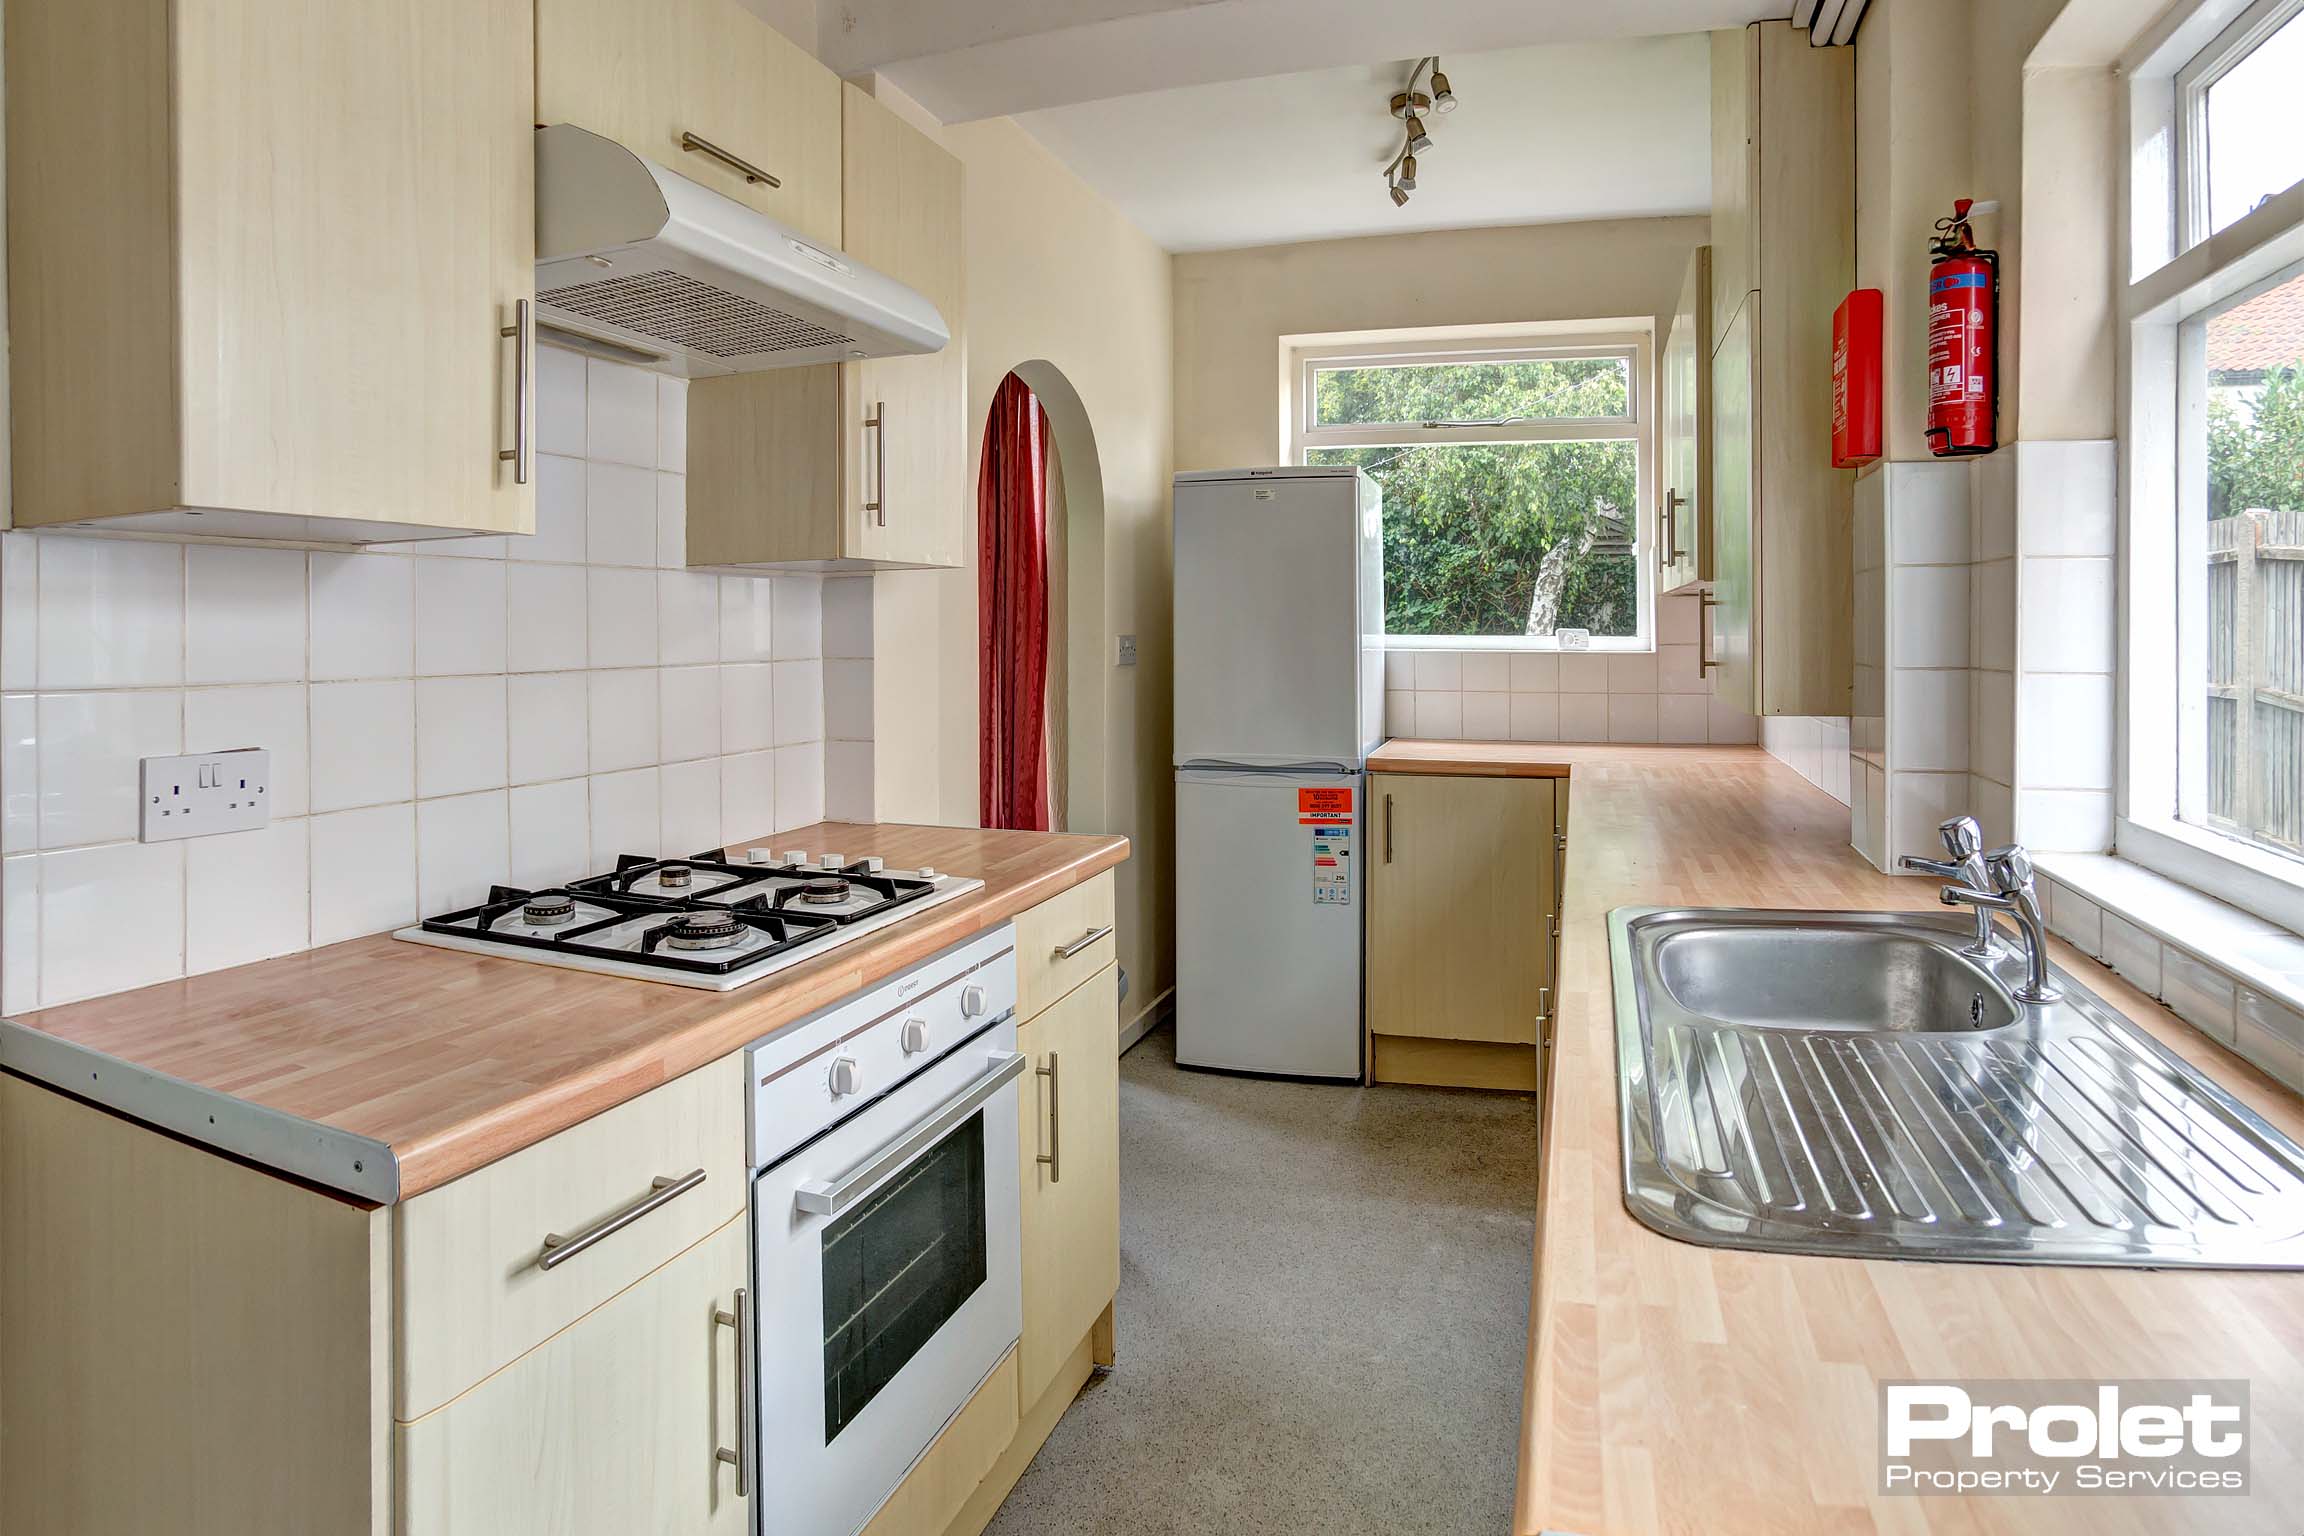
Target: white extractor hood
695, 283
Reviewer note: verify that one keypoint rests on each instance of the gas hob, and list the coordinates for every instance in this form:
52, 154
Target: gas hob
710, 921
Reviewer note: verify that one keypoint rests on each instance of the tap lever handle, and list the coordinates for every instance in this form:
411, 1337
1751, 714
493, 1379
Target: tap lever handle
2010, 868
1962, 835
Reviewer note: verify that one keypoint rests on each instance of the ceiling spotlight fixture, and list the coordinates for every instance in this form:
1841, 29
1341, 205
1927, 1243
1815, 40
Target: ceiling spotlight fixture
1413, 107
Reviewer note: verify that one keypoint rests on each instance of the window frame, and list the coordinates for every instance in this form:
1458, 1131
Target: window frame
2181, 273
1311, 356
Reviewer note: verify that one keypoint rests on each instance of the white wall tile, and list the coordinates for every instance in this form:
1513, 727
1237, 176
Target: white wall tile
1928, 616
2075, 919
747, 618
619, 514
1534, 717
847, 781
2132, 952
89, 751
1731, 727
1992, 604
1632, 672
1991, 725
19, 611
747, 795
1632, 717
626, 815
1535, 672
796, 619
2064, 736
273, 716
551, 833
546, 624
463, 846
559, 401
690, 714
619, 413
111, 613
1399, 666
363, 744
1917, 804
1679, 620
111, 918
1439, 713
797, 691
547, 715
687, 618
747, 714
2065, 615
621, 619
460, 610
363, 616
1439, 671
1487, 716
2064, 820
243, 614
672, 521
2199, 994
1992, 504
460, 735
2067, 499
1679, 669
799, 786
1487, 671
560, 516
1994, 806
624, 719
2272, 1036
20, 933
19, 772
1399, 712
1928, 712
691, 812
1683, 717
671, 424
1928, 514
848, 622
1583, 716
247, 896
1583, 672
1868, 545
848, 700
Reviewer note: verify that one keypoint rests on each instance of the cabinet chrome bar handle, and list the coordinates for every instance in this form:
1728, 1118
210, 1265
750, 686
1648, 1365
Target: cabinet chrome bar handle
1387, 829
1067, 951
662, 1191
1055, 1122
1543, 1004
878, 422
1673, 502
741, 1457
522, 333
1704, 661
742, 167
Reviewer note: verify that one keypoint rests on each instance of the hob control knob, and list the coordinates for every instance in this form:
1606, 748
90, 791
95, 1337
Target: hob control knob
925, 873
795, 855
915, 1036
874, 866
971, 1001
846, 1077
760, 855
833, 861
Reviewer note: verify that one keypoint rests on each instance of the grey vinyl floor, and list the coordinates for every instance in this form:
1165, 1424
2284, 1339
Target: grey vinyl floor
1322, 1320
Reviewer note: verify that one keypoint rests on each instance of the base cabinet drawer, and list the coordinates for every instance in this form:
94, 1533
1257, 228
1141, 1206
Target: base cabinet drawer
1062, 942
1069, 1156
610, 1429
474, 1292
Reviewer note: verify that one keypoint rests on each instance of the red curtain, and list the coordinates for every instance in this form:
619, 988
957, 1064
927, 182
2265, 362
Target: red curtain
1012, 610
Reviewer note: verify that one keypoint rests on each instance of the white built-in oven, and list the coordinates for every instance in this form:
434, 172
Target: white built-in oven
884, 1222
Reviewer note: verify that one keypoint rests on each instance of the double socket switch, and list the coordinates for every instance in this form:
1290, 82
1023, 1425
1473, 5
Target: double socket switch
205, 792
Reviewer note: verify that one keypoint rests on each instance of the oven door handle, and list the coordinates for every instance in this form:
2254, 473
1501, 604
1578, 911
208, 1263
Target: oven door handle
829, 1197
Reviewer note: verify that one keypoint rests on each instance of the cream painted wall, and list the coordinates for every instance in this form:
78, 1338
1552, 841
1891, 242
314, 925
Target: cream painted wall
1232, 307
1055, 275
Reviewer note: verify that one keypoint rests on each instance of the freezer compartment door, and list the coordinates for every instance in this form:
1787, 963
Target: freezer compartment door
1268, 894
1268, 628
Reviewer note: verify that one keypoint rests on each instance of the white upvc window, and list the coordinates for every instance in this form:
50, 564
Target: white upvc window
1516, 472
2212, 771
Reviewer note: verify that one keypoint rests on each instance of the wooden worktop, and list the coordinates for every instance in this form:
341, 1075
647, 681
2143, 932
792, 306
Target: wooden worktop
1474, 759
1676, 1388
452, 1060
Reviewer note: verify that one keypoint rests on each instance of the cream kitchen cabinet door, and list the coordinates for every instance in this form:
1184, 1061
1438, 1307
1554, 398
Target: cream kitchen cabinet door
608, 1428
1071, 1210
261, 256
1684, 433
702, 87
860, 465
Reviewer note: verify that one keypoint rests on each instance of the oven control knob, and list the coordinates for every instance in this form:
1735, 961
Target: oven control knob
971, 1001
915, 1036
846, 1077
796, 856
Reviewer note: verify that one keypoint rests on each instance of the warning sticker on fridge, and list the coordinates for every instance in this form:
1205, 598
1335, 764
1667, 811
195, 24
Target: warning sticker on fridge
1331, 861
1323, 805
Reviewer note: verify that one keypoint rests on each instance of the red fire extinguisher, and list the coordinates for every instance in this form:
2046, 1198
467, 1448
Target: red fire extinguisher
1963, 338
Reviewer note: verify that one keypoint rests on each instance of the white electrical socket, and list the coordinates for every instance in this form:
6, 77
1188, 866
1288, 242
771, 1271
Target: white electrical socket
205, 792
1126, 656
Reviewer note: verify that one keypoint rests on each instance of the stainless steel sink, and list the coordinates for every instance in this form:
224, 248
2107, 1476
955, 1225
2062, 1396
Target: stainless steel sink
1851, 1083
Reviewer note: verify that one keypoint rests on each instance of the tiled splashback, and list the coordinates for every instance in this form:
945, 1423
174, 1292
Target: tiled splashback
1814, 746
442, 715
1640, 696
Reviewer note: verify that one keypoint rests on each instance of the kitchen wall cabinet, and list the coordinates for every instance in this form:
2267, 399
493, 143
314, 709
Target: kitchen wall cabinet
1071, 1205
1783, 255
1463, 903
666, 77
849, 466
607, 1428
1684, 430
260, 259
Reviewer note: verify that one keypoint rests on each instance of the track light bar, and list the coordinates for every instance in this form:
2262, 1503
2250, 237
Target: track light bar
1413, 107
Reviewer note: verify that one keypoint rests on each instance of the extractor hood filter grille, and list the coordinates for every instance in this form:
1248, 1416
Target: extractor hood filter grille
679, 310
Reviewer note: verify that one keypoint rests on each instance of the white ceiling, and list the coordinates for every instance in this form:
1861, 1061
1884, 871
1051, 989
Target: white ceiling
1580, 131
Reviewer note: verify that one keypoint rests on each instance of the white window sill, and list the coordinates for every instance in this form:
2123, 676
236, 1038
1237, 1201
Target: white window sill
2236, 978
1611, 643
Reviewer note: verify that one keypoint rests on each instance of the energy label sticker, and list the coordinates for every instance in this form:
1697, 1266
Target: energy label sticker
1331, 861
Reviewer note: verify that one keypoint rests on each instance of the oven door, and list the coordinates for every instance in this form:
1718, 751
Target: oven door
886, 1268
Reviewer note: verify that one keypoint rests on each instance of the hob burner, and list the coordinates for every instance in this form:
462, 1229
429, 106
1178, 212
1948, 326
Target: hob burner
674, 877
714, 928
548, 910
827, 892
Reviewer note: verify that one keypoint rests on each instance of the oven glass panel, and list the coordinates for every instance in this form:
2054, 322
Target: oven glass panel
897, 1267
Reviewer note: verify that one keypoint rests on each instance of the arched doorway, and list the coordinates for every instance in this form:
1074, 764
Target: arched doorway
1073, 705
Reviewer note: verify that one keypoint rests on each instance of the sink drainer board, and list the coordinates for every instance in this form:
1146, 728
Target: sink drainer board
1850, 1083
